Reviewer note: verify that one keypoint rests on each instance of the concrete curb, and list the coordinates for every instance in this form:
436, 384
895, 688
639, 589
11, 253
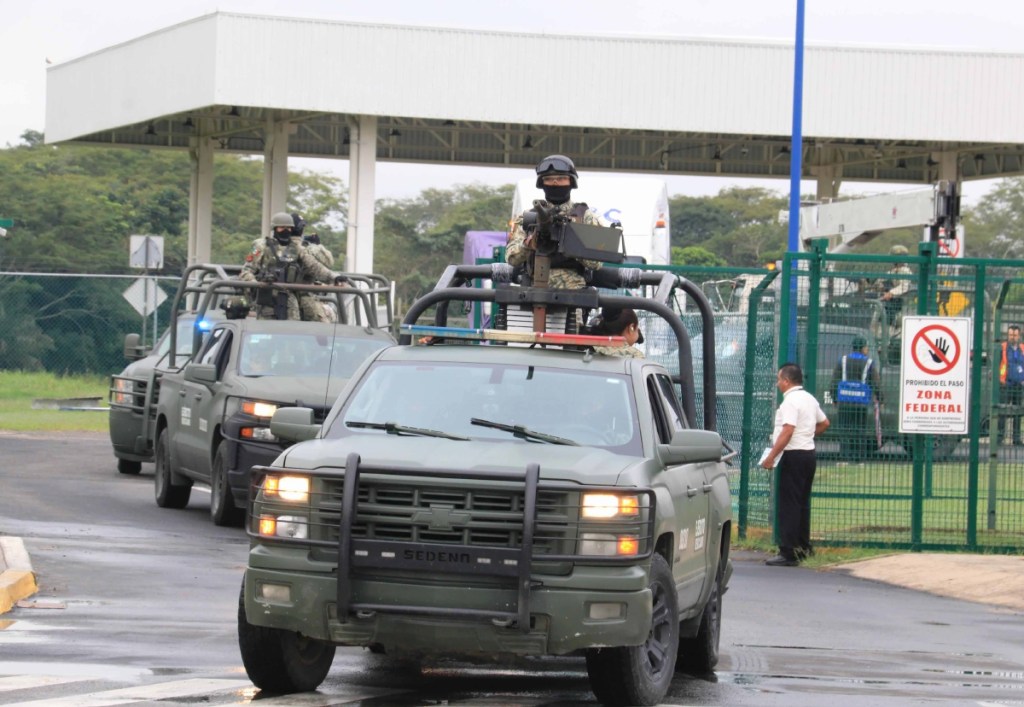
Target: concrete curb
17, 580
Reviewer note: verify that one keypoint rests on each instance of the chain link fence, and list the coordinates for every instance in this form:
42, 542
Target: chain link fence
76, 324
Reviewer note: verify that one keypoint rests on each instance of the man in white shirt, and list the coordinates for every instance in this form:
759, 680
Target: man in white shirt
798, 421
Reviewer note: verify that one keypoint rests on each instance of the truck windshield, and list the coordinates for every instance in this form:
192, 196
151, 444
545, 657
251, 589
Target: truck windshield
589, 409
303, 355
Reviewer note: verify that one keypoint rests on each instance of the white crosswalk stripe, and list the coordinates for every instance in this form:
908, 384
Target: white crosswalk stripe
191, 691
8, 683
140, 693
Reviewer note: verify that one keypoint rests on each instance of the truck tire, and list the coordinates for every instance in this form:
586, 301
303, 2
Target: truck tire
223, 510
168, 495
641, 675
943, 446
281, 661
126, 466
699, 655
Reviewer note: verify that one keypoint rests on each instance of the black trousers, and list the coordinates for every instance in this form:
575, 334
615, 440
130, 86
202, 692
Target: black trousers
796, 476
1011, 394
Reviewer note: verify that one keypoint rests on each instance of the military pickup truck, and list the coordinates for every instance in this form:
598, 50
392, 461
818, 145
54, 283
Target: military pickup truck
209, 412
128, 395
491, 494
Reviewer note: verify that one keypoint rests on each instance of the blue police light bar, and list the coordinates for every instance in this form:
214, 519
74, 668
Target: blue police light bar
203, 325
418, 332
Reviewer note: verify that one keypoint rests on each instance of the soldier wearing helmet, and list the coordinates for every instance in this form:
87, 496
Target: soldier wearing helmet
556, 175
281, 257
310, 306
896, 286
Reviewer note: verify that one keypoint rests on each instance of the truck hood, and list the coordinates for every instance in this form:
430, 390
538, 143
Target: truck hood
557, 462
291, 390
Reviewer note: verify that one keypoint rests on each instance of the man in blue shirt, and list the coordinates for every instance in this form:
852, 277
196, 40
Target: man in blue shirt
1011, 380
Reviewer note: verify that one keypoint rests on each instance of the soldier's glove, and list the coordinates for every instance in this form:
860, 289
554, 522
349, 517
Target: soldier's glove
340, 280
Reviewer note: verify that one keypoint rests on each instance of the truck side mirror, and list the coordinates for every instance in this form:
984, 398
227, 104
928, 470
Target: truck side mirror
689, 446
294, 424
133, 348
202, 373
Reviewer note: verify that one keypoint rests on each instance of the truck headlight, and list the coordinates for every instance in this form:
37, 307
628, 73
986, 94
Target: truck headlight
257, 434
608, 545
610, 505
258, 408
294, 489
284, 527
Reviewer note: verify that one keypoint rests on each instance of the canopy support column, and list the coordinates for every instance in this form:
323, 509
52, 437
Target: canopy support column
361, 194
200, 200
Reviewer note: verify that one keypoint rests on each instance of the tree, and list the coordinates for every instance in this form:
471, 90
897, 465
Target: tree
75, 208
739, 225
695, 220
995, 228
697, 256
417, 238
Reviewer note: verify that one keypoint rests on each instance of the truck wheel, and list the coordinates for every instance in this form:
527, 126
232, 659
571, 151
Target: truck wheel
126, 466
641, 675
223, 510
167, 494
943, 446
281, 661
699, 655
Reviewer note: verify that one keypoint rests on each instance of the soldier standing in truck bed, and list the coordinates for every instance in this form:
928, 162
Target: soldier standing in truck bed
281, 257
556, 175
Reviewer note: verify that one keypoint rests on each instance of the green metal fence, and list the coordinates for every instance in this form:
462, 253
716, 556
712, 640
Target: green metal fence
887, 489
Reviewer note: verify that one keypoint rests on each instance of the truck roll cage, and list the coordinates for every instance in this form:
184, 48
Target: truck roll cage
454, 286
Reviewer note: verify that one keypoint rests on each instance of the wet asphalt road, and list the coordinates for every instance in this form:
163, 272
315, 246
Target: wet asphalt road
131, 594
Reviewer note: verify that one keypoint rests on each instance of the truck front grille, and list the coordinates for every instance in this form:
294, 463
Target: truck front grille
448, 515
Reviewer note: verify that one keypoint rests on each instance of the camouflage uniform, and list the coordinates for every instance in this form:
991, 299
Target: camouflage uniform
620, 351
267, 255
311, 308
516, 252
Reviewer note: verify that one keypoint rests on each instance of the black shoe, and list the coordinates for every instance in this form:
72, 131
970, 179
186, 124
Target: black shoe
781, 561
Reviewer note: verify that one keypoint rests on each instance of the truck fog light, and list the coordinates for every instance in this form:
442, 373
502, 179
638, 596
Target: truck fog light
280, 593
606, 610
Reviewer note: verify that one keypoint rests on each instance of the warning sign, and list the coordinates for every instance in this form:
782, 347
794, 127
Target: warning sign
951, 245
934, 375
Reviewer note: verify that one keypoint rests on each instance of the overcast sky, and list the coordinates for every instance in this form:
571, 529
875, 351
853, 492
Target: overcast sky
33, 32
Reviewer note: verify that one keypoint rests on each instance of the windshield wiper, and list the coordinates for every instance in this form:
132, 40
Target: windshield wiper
521, 432
396, 429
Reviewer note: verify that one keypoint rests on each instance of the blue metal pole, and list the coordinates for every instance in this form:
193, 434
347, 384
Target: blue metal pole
796, 169
796, 142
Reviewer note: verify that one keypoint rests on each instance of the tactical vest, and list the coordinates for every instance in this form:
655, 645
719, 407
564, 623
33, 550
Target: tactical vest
286, 261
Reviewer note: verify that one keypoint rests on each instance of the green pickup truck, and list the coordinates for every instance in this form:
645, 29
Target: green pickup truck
206, 414
490, 494
130, 395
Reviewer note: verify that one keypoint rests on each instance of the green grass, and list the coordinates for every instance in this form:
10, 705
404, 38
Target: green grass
18, 389
760, 540
870, 505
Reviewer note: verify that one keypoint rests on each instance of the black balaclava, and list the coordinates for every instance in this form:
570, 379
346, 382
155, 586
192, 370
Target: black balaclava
283, 236
557, 194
